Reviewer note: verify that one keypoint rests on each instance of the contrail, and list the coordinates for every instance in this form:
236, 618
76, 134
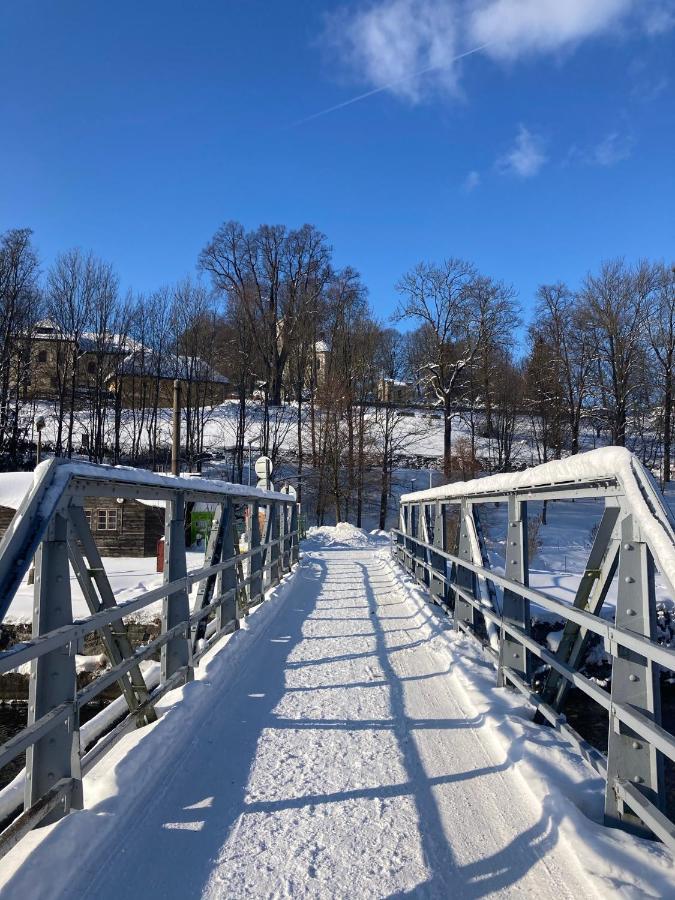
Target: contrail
391, 84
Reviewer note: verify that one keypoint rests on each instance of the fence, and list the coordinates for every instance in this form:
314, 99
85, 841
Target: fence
51, 527
634, 539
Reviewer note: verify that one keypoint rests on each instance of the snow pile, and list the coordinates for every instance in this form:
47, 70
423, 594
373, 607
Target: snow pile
341, 535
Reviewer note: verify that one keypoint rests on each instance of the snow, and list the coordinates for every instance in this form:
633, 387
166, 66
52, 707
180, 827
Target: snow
13, 488
344, 743
128, 576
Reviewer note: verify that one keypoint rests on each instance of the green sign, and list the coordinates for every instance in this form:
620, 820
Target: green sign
200, 526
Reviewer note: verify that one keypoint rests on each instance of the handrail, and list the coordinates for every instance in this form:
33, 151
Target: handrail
635, 538
50, 525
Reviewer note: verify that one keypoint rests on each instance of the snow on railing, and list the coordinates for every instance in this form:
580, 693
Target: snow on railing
634, 539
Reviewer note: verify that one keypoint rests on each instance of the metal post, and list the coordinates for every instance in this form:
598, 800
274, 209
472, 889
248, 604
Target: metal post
464, 578
635, 681
255, 585
176, 607
515, 609
175, 437
284, 519
438, 587
52, 677
228, 611
295, 537
274, 533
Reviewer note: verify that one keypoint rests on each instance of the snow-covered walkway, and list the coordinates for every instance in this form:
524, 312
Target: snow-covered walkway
340, 757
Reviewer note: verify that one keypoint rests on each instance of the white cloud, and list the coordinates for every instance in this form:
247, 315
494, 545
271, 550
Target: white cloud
526, 157
410, 47
612, 149
471, 182
406, 45
517, 27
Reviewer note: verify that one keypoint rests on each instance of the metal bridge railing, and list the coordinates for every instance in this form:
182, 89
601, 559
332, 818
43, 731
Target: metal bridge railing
635, 538
51, 526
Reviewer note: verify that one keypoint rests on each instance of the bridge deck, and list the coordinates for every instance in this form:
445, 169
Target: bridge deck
340, 760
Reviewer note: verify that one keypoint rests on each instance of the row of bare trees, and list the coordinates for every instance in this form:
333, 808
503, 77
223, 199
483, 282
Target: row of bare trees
94, 361
600, 363
308, 363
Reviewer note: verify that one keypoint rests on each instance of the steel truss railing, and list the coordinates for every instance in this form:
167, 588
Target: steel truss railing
51, 527
635, 538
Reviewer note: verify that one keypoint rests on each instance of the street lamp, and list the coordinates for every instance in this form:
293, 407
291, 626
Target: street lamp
250, 443
39, 425
412, 485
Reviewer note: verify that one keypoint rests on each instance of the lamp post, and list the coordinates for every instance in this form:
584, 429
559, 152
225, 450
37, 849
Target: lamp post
39, 425
250, 444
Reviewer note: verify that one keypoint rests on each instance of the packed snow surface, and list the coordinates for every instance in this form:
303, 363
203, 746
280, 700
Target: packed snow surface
343, 744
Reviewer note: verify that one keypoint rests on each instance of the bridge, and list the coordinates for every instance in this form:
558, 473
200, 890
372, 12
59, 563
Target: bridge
385, 723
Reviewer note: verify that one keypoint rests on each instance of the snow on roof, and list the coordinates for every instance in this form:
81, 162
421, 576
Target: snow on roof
614, 463
321, 347
13, 488
144, 362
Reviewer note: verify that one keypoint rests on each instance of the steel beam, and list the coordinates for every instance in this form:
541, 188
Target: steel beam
228, 611
515, 607
590, 596
255, 587
176, 607
464, 578
56, 756
635, 682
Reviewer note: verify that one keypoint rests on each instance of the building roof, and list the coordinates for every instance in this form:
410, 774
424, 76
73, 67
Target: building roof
192, 368
321, 347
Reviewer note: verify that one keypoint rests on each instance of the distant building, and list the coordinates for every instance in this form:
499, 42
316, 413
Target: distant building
389, 390
142, 375
49, 353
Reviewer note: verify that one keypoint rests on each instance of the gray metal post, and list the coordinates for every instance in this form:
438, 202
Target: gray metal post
295, 537
464, 578
437, 586
212, 555
255, 585
228, 611
515, 609
176, 607
274, 512
284, 519
52, 677
635, 681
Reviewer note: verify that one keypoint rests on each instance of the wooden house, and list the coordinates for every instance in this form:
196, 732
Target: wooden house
124, 527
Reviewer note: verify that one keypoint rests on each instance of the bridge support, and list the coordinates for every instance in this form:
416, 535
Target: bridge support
465, 614
56, 756
438, 586
255, 560
515, 609
635, 682
176, 653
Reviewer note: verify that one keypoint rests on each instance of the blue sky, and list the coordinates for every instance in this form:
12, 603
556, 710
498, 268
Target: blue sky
135, 129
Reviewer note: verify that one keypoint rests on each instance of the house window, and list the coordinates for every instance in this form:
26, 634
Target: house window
87, 515
106, 520
42, 356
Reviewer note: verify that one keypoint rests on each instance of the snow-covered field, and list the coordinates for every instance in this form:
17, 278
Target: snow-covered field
343, 744
129, 577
